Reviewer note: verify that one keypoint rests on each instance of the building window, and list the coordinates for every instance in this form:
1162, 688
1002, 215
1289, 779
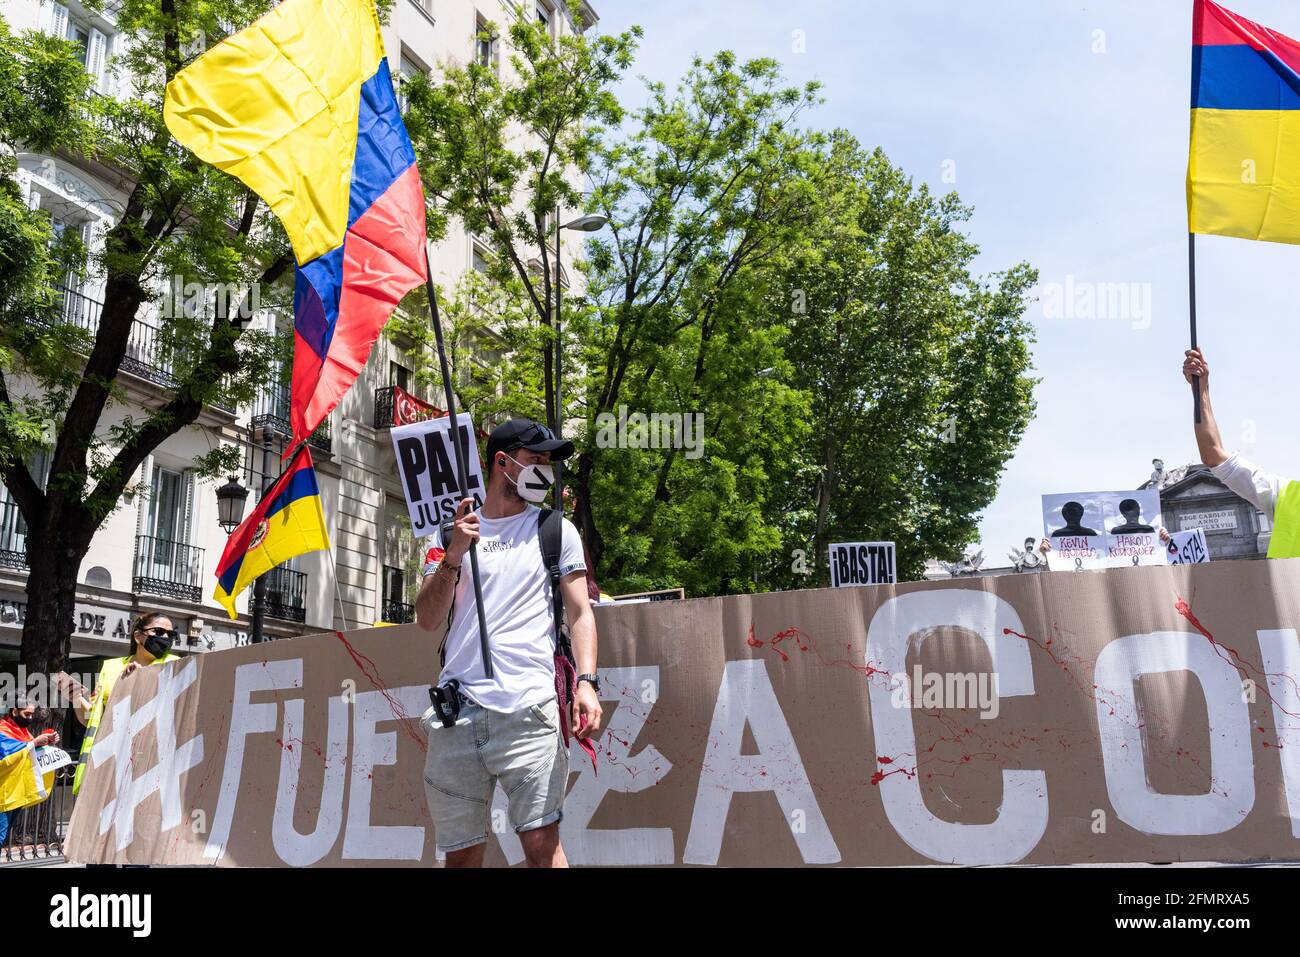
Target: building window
546, 17
485, 44
479, 259
407, 69
398, 375
92, 43
166, 510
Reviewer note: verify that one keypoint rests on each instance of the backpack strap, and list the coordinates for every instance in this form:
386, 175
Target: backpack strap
550, 528
446, 530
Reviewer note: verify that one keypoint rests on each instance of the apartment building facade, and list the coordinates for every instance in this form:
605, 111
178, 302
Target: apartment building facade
160, 548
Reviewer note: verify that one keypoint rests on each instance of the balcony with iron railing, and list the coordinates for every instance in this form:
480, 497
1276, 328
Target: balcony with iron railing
13, 536
271, 411
391, 410
398, 613
171, 569
286, 594
384, 407
147, 356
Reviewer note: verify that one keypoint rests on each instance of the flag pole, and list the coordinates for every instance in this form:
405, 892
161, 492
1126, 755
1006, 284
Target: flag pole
1191, 301
462, 454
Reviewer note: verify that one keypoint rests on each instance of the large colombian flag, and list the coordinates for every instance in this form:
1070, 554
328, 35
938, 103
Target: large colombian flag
300, 107
288, 521
1243, 175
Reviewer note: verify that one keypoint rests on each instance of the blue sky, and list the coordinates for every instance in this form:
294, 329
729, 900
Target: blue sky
1066, 126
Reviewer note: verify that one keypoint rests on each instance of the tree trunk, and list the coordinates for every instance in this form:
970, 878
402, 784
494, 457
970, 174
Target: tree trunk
825, 490
54, 557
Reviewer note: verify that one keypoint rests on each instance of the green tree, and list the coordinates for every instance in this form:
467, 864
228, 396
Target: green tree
707, 184
181, 220
503, 157
917, 370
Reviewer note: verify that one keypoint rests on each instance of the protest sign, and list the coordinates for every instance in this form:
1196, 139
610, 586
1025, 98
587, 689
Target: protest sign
1103, 529
426, 464
1187, 548
862, 563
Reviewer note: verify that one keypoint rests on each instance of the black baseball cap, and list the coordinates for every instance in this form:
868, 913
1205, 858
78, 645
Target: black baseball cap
526, 434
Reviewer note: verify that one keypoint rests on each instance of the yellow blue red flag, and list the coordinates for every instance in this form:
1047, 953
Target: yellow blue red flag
1243, 173
300, 106
288, 521
22, 782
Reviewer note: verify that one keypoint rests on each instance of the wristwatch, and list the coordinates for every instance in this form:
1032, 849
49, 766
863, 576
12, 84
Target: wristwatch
592, 680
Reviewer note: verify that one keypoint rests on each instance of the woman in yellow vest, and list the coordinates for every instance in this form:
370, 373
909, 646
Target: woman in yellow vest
1276, 497
152, 637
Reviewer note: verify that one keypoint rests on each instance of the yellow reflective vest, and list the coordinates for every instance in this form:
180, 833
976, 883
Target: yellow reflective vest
108, 675
1285, 541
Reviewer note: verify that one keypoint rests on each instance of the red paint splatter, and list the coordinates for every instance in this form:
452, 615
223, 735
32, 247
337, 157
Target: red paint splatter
1233, 658
372, 673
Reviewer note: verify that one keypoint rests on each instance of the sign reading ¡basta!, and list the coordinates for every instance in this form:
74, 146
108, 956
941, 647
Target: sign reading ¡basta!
1135, 714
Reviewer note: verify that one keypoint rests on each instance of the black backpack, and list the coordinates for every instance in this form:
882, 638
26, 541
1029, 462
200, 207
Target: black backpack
550, 529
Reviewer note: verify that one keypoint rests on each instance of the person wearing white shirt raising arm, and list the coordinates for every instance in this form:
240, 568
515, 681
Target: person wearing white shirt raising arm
1276, 497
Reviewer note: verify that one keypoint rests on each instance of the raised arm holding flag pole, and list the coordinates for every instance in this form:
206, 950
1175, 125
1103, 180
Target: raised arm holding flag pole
1243, 180
1243, 170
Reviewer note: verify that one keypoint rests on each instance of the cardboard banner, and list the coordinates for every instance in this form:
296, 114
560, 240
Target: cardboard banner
1103, 529
1187, 548
862, 563
426, 463
1136, 714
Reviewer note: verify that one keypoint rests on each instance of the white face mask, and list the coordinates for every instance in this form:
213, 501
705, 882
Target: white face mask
535, 481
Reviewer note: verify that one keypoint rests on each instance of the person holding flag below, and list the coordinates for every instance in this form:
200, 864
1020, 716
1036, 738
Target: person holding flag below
21, 782
1276, 497
509, 727
1243, 180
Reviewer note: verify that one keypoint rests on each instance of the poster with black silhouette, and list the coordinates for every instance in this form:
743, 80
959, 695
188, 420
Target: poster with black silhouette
862, 563
1187, 548
1133, 528
1074, 525
426, 466
1103, 529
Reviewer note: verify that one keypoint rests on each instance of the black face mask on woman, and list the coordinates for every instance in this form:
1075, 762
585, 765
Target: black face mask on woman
22, 720
158, 645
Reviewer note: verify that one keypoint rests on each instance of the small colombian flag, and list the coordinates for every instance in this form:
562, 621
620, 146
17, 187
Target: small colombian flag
1243, 174
287, 522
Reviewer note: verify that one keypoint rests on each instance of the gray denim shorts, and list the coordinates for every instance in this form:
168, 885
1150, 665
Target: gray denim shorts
522, 750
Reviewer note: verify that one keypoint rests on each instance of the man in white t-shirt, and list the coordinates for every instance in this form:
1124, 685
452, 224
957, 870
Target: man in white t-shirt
1262, 489
509, 729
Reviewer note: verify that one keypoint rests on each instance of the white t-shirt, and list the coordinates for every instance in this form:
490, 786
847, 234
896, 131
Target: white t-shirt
1259, 488
517, 608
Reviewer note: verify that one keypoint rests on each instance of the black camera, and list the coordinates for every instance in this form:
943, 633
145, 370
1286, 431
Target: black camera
446, 702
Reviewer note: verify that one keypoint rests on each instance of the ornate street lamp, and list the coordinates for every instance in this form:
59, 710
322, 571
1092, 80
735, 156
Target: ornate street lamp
230, 505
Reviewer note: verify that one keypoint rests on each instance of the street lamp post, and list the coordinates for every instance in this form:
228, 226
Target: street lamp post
259, 586
583, 224
230, 514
